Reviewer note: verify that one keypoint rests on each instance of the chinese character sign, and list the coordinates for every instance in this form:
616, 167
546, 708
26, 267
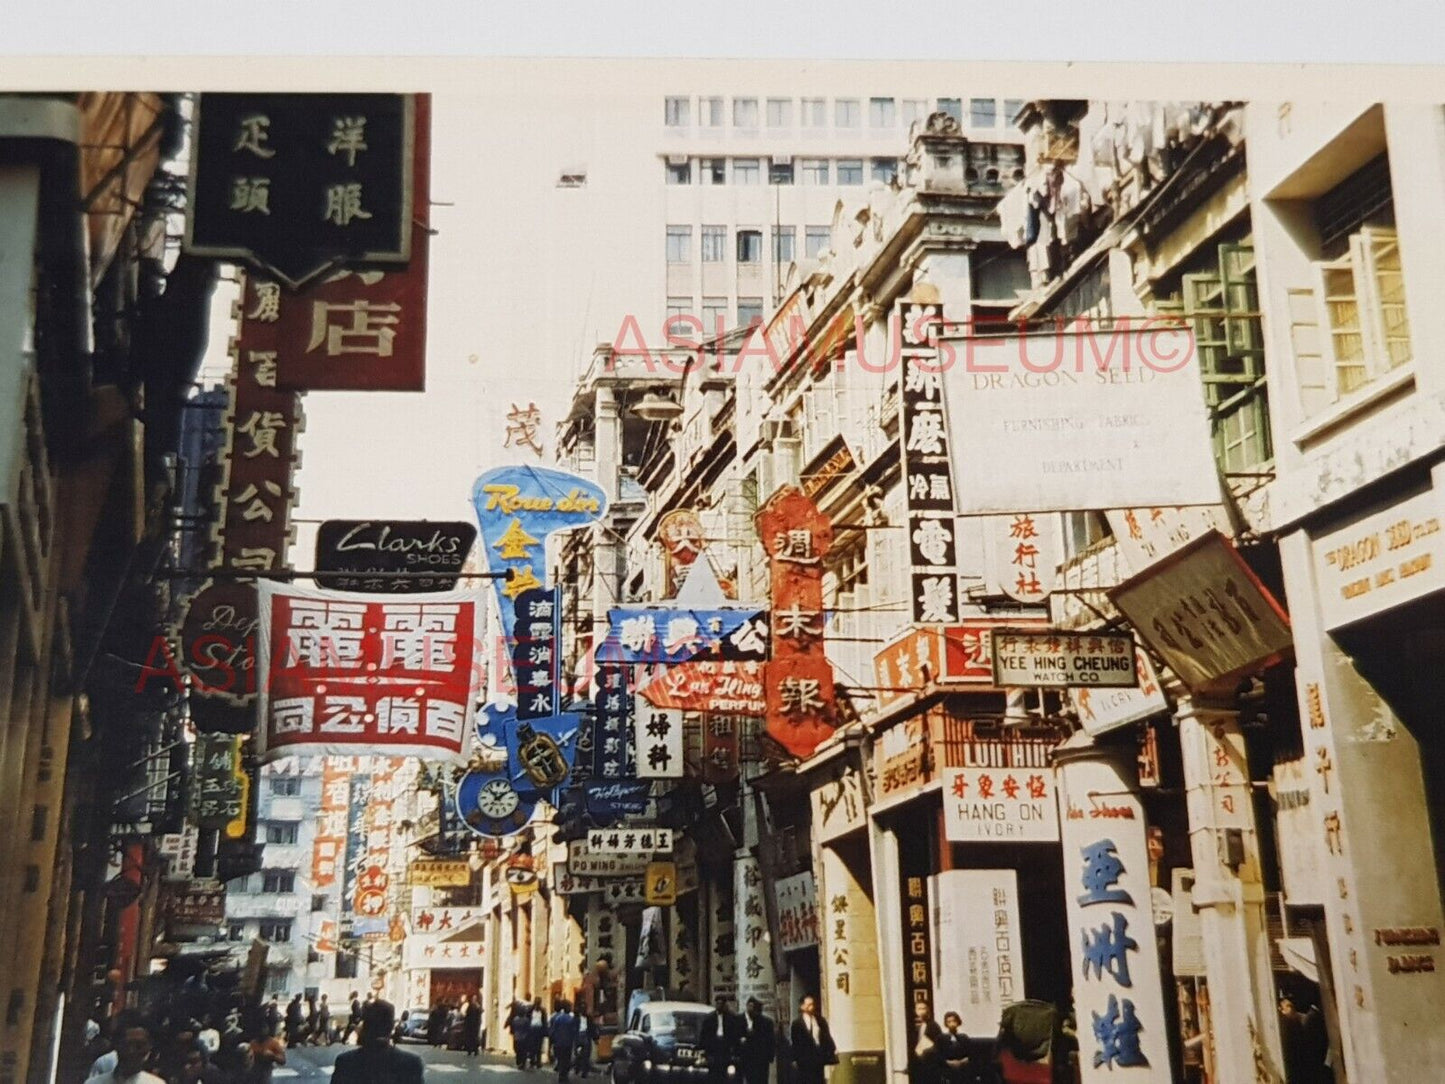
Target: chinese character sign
797, 901
927, 473
329, 844
297, 183
657, 735
1023, 554
357, 549
753, 944
1005, 805
613, 750
977, 944
799, 679
535, 652
345, 674
215, 789
517, 508
656, 634
1117, 989
681, 534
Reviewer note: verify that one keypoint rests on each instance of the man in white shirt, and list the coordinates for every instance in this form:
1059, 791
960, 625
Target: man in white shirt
132, 1050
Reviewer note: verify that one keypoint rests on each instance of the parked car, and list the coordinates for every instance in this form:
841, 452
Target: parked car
662, 1043
411, 1027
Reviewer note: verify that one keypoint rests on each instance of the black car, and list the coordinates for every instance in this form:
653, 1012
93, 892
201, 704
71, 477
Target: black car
662, 1043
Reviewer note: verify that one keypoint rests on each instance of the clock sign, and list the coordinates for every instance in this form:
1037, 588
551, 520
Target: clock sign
490, 806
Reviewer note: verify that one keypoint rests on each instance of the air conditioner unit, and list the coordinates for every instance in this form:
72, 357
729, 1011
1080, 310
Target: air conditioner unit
677, 159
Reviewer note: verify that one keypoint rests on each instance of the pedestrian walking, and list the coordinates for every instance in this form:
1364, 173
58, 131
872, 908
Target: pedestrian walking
132, 1052
518, 1021
563, 1031
759, 1044
471, 1027
586, 1036
536, 1032
323, 1021
955, 1051
311, 1034
353, 1023
273, 1015
294, 1022
376, 1060
924, 1061
720, 1040
812, 1043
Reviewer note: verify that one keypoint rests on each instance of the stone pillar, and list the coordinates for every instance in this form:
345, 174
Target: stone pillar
1118, 990
852, 995
1229, 895
887, 909
1382, 900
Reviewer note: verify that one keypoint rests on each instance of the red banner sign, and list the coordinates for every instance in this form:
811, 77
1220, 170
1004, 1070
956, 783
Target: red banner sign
345, 673
329, 845
799, 679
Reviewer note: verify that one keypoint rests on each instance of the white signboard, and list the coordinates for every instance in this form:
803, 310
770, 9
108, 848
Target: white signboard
180, 850
1000, 805
1054, 659
657, 733
629, 841
1086, 419
838, 805
582, 861
797, 899
1102, 710
978, 964
1381, 561
443, 920
1112, 942
1205, 613
753, 944
430, 952
1146, 535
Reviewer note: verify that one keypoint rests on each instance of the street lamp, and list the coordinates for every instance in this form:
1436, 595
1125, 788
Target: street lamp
655, 407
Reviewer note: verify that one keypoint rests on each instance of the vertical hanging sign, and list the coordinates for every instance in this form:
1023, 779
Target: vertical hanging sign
798, 687
658, 741
927, 472
535, 653
612, 740
1117, 989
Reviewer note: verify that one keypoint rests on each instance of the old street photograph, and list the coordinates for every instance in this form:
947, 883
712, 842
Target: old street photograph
699, 571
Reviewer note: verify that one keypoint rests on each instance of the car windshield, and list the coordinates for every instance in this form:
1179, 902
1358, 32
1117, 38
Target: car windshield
685, 1027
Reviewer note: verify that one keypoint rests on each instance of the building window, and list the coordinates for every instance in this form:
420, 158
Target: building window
235, 931
1221, 302
281, 833
283, 786
1012, 107
710, 112
278, 881
679, 172
884, 169
714, 244
275, 932
952, 106
846, 113
914, 109
346, 965
679, 244
750, 246
784, 246
714, 315
850, 171
677, 306
278, 981
318, 902
816, 240
745, 112
815, 171
780, 112
714, 170
815, 112
678, 112
746, 171
882, 113
750, 311
982, 112
780, 172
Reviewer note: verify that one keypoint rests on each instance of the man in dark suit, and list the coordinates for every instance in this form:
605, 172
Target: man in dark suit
924, 1056
721, 1036
812, 1042
376, 1061
759, 1044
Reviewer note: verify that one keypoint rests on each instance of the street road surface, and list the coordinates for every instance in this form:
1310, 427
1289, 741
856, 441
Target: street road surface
315, 1063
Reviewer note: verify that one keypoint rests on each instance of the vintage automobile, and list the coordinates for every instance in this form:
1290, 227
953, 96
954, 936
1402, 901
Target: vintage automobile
661, 1044
411, 1027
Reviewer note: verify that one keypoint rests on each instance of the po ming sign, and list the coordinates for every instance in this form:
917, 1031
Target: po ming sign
629, 841
298, 183
1049, 658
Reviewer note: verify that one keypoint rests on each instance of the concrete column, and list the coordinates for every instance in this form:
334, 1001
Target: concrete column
1118, 990
852, 994
1382, 901
1229, 895
888, 913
